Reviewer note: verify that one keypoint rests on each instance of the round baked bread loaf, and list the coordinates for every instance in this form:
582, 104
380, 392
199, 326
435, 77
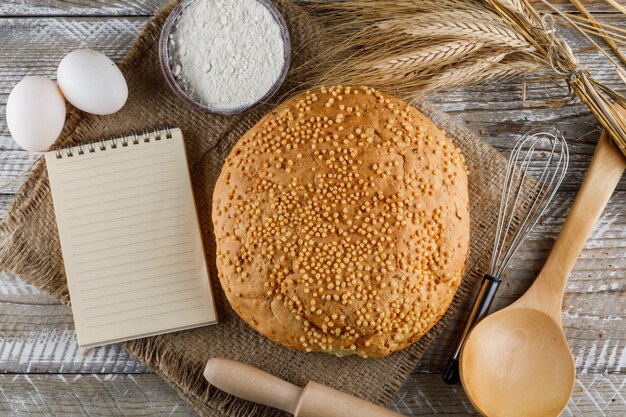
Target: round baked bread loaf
342, 223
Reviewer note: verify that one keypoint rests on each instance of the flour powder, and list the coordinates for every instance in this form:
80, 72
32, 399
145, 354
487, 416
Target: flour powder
226, 54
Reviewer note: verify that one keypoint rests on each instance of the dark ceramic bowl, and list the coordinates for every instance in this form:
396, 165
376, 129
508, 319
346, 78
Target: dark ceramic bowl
164, 59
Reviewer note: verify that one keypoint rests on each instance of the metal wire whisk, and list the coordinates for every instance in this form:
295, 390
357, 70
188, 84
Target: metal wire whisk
537, 165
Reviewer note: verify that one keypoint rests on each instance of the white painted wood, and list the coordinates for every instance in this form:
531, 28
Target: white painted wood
67, 395
5, 203
80, 7
148, 7
593, 396
36, 334
34, 46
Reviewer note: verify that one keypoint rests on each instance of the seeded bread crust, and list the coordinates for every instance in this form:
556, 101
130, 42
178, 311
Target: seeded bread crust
342, 223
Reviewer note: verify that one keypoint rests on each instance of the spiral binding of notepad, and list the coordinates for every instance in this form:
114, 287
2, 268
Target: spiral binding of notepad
131, 138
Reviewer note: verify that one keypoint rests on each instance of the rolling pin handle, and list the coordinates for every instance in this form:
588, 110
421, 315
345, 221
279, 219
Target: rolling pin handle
318, 400
252, 384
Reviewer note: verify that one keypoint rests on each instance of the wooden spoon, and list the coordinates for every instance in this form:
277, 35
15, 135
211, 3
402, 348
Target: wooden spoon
516, 362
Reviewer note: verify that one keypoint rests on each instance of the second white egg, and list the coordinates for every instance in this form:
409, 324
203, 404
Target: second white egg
92, 82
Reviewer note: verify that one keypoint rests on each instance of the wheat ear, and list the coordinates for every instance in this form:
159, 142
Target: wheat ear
473, 30
428, 55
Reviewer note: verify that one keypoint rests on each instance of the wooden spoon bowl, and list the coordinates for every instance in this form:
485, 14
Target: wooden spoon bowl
518, 363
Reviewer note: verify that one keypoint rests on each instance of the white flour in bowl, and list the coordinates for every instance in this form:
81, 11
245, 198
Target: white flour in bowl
226, 54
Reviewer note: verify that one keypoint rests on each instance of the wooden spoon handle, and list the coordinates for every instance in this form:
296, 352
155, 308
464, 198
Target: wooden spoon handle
604, 173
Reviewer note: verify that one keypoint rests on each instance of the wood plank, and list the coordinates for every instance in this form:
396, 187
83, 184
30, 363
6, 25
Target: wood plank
78, 8
146, 395
5, 203
39, 335
35, 46
14, 169
427, 395
149, 7
89, 395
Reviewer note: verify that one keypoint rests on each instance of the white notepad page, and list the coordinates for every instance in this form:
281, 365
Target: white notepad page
130, 239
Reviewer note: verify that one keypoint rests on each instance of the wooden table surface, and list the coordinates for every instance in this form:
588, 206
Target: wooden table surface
44, 373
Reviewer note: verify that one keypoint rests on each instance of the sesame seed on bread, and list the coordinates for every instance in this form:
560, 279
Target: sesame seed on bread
342, 223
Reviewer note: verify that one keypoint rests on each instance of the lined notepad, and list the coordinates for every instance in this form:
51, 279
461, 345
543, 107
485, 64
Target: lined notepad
129, 234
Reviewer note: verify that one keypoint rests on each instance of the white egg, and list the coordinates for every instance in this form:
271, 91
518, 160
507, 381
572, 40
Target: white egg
92, 82
35, 113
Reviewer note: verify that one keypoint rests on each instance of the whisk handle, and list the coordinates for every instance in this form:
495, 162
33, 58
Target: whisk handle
480, 309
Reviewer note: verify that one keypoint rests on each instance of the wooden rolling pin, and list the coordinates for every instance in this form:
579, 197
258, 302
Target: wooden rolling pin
314, 400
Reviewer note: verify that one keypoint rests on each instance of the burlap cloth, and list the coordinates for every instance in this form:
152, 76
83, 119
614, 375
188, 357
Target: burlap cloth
31, 246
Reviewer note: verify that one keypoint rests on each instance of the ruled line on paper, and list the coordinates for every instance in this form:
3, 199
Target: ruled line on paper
135, 271
135, 261
173, 245
127, 216
135, 233
108, 181
139, 256
118, 190
126, 226
104, 248
137, 167
130, 281
143, 307
126, 291
132, 300
111, 200
117, 322
144, 203
102, 190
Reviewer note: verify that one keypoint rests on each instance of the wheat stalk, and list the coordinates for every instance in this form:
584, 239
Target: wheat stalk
401, 45
413, 47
